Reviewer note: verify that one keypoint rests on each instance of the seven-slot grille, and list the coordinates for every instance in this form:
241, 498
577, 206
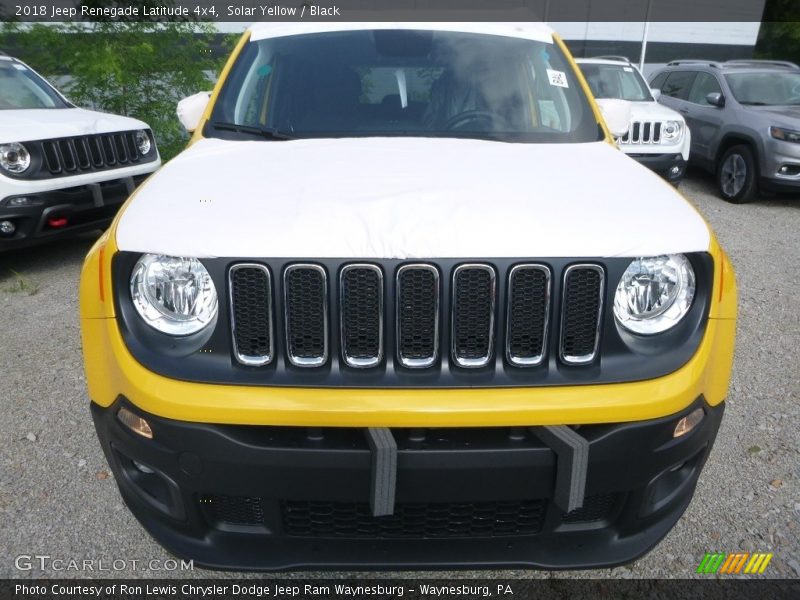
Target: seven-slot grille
88, 153
642, 132
362, 318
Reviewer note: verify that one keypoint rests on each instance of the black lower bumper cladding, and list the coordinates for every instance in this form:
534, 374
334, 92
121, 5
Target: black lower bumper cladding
60, 213
271, 498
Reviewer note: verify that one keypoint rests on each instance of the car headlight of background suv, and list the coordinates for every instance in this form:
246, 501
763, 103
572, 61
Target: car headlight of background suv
173, 295
143, 143
671, 131
787, 135
14, 158
654, 294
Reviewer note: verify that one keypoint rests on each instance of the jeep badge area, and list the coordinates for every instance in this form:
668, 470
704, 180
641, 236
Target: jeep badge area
745, 120
62, 169
403, 303
658, 137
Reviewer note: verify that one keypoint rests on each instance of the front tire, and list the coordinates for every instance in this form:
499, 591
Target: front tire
736, 175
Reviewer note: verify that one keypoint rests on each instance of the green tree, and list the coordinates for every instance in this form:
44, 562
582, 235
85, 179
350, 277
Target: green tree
779, 36
137, 69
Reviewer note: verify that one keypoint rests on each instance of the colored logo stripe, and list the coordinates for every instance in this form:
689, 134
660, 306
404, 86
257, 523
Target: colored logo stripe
719, 562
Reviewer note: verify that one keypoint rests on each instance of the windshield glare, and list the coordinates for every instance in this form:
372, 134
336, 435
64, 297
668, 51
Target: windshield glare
400, 82
767, 89
616, 81
22, 88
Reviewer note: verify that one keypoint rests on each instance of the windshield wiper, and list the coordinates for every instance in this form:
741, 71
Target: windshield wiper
264, 132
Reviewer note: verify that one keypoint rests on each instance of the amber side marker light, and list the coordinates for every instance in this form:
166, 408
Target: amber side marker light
135, 423
687, 423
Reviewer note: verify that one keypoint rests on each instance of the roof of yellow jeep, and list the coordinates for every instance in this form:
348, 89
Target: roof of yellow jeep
531, 30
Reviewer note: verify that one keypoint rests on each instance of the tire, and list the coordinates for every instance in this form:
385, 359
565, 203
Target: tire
737, 175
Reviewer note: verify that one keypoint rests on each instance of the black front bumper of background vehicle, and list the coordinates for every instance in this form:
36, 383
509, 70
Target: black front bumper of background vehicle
663, 164
268, 498
80, 208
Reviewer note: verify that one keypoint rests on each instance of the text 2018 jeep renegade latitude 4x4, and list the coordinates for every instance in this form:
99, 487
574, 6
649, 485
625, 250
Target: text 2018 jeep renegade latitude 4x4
403, 303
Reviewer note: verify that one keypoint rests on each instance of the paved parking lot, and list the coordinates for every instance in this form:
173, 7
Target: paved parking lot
58, 499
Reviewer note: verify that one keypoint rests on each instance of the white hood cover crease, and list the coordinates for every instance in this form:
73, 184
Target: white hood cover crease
407, 198
47, 123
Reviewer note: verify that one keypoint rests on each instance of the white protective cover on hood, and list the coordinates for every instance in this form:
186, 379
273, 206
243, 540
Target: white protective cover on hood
407, 198
46, 123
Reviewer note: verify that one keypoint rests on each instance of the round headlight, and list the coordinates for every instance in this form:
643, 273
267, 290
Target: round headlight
14, 157
654, 293
143, 142
172, 294
670, 131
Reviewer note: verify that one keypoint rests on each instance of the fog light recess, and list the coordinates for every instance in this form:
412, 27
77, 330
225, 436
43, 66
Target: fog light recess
135, 423
687, 423
7, 227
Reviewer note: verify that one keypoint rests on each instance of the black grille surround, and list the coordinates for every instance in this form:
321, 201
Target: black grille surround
92, 153
621, 356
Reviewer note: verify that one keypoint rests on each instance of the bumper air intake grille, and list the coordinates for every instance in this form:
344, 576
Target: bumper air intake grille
413, 520
234, 510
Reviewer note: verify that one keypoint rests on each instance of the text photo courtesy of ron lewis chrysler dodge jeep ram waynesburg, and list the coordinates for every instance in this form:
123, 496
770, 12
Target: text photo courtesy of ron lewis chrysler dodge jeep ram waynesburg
410, 316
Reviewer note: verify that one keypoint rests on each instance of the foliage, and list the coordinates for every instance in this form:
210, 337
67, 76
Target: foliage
779, 36
136, 69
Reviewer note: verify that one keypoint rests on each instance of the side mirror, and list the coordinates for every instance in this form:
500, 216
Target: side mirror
656, 94
715, 99
190, 110
617, 114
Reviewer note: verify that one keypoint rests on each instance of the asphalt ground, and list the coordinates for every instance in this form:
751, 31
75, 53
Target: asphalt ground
58, 498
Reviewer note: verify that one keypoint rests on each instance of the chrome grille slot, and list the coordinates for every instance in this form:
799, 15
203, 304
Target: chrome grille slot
642, 132
417, 317
361, 315
581, 313
473, 315
305, 289
527, 314
251, 314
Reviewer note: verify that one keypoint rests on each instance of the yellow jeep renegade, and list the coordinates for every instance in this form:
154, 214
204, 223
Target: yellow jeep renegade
402, 303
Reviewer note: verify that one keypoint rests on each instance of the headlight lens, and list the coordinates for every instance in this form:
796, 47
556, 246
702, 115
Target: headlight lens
14, 157
787, 135
654, 293
671, 131
143, 142
172, 294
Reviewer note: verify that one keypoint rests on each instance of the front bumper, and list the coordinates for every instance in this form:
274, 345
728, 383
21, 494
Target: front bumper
66, 211
260, 497
671, 167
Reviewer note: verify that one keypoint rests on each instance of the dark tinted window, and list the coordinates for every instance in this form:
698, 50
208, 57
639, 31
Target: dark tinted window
405, 83
704, 84
658, 81
678, 84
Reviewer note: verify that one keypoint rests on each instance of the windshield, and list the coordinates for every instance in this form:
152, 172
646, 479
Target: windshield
22, 88
404, 82
616, 81
765, 89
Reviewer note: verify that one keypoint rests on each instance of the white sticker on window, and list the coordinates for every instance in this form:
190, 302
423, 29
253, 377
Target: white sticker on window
557, 78
19, 67
628, 69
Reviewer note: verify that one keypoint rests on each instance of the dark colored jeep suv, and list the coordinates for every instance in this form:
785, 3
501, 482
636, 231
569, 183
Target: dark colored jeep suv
745, 121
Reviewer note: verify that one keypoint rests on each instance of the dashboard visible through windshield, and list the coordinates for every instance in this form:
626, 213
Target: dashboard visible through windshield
403, 83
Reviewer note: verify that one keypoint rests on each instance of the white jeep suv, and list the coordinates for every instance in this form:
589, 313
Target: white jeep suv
63, 169
658, 136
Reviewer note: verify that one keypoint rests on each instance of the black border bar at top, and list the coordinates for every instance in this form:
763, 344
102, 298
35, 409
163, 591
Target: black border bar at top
394, 10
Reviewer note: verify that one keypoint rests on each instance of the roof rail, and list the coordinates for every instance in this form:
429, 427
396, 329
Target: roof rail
693, 61
612, 57
762, 63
